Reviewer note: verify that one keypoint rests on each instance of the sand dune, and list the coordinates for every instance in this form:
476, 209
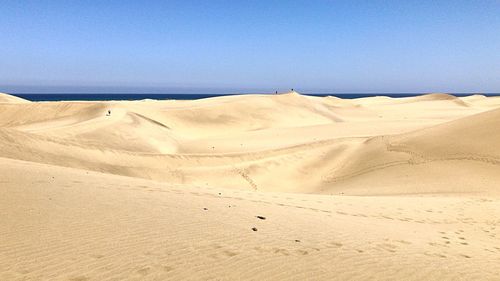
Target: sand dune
116, 190
243, 142
5, 98
458, 154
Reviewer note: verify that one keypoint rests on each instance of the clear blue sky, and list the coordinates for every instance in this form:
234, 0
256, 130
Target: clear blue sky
242, 46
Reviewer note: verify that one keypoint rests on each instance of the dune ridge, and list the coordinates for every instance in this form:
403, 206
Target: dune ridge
6, 98
383, 188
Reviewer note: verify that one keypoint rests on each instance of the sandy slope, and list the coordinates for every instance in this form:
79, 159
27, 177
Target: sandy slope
432, 163
5, 98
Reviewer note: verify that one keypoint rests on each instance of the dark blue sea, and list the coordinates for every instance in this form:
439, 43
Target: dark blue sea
141, 96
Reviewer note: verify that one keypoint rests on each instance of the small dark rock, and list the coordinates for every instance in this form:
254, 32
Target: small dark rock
297, 240
205, 209
254, 228
261, 217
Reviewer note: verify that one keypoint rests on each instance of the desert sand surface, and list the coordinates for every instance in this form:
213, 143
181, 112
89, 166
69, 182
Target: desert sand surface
251, 187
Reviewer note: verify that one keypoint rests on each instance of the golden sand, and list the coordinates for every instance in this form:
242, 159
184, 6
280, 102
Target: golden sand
374, 188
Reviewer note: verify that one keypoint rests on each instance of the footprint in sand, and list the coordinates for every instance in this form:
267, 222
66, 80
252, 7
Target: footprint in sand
229, 253
167, 268
97, 256
336, 244
144, 271
302, 252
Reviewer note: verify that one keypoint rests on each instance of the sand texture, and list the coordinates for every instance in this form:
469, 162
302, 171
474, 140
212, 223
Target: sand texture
251, 187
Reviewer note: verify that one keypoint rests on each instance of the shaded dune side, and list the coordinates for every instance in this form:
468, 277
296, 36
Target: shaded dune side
436, 97
440, 97
444, 157
473, 135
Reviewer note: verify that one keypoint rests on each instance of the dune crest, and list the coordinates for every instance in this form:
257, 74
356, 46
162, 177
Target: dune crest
6, 98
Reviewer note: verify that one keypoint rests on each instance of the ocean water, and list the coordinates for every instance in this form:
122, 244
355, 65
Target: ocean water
141, 96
